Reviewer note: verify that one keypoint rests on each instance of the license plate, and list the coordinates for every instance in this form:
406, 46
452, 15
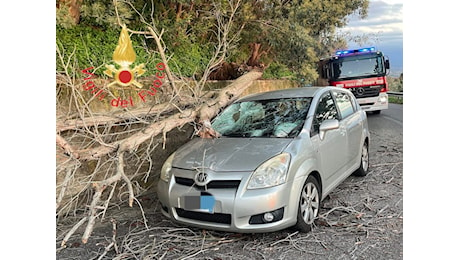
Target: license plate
204, 202
363, 101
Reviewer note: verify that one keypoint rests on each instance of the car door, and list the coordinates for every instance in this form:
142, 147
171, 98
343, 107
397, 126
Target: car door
352, 122
332, 149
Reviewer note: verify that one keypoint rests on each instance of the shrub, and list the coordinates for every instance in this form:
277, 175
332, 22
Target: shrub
277, 71
94, 47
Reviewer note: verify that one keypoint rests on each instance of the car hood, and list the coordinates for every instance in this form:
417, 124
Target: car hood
228, 154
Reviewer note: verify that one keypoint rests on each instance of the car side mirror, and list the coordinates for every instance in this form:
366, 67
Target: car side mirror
327, 125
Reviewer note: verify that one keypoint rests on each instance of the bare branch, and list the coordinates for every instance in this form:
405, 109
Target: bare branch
66, 146
121, 171
163, 58
97, 147
70, 233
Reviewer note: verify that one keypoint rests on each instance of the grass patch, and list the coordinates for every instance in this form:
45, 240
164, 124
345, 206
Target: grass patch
395, 100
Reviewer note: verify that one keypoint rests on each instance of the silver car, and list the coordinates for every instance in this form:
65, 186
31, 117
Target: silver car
278, 155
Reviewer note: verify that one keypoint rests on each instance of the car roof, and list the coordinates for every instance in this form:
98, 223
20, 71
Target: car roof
285, 93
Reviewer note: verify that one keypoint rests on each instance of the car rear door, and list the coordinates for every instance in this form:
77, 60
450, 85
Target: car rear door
332, 149
351, 120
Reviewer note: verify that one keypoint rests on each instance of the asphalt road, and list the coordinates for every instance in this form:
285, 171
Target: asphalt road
388, 124
394, 113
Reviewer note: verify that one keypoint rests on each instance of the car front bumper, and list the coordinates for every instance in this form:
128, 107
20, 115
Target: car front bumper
234, 209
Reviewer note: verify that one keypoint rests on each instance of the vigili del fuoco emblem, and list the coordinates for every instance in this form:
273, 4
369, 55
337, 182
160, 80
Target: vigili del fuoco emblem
124, 56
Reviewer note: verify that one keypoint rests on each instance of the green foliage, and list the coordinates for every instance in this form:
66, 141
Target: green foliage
298, 33
189, 49
295, 48
94, 48
94, 39
102, 13
293, 34
277, 71
395, 100
190, 59
63, 18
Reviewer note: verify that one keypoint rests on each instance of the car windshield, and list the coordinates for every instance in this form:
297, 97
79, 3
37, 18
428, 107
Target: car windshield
263, 118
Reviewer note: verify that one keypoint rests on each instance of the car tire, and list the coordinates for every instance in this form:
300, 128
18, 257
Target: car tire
309, 204
376, 112
364, 165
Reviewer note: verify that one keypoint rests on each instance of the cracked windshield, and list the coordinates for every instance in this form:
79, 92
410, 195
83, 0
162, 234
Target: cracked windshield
263, 118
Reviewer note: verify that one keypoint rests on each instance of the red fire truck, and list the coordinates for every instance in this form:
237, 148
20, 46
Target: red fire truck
362, 71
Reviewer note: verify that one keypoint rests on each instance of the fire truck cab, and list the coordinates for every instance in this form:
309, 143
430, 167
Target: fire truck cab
362, 71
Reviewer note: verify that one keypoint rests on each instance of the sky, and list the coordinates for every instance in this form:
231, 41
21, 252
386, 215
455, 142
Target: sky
384, 26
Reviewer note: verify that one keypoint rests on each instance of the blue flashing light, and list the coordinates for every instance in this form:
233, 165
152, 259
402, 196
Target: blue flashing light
362, 50
366, 49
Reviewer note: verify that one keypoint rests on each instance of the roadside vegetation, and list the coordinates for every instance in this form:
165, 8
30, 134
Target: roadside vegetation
395, 100
395, 84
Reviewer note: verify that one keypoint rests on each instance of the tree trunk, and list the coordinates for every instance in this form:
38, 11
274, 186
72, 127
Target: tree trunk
255, 55
63, 125
205, 112
73, 6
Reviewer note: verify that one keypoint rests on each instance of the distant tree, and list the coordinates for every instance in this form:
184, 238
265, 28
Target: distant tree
294, 33
401, 82
396, 83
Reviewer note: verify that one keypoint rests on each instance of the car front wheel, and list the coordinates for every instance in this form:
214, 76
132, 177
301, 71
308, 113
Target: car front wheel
309, 204
364, 166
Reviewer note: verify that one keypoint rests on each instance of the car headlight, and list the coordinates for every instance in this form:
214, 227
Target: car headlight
271, 173
166, 169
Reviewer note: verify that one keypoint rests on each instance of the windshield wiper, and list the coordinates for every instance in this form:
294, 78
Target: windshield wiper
234, 135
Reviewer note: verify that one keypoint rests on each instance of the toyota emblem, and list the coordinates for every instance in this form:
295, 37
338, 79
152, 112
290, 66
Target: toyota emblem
201, 178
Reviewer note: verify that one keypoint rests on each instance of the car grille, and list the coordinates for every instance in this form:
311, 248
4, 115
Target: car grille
365, 92
220, 218
218, 184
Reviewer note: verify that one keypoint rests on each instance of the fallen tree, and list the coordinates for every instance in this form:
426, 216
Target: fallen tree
199, 115
100, 156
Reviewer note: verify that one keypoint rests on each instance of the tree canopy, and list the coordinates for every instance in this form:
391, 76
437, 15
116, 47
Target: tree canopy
286, 37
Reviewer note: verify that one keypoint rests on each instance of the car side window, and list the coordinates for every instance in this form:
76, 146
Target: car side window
326, 109
344, 103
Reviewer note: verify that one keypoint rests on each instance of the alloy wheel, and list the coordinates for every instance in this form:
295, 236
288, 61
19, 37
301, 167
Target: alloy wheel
309, 204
